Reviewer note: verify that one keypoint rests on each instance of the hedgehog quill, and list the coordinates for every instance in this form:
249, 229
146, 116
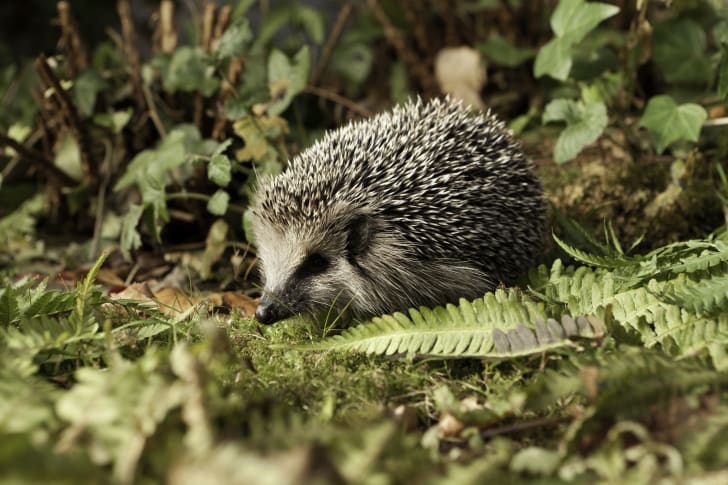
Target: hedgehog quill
423, 205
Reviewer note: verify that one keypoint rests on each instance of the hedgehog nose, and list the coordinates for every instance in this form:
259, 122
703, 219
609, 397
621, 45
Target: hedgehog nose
269, 311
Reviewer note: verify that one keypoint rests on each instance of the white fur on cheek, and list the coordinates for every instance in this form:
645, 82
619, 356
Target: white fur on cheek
279, 256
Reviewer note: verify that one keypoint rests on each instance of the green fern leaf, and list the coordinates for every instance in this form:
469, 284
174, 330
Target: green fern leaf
489, 327
9, 311
81, 315
600, 261
705, 297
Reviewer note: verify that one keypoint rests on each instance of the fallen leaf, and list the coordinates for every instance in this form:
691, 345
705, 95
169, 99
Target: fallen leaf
239, 301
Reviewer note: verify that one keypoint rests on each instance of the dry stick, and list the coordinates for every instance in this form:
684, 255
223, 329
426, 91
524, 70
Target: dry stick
68, 110
101, 202
336, 31
223, 21
39, 160
71, 44
226, 88
167, 40
524, 426
418, 23
208, 19
451, 37
234, 70
395, 39
130, 50
337, 98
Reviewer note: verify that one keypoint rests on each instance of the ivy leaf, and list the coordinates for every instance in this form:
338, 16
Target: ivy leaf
286, 78
499, 51
571, 21
130, 238
115, 121
218, 170
85, 89
679, 51
577, 18
307, 18
554, 59
217, 205
667, 122
234, 42
190, 69
584, 123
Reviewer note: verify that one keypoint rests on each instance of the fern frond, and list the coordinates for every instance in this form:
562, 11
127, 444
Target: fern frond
610, 261
81, 315
705, 297
489, 327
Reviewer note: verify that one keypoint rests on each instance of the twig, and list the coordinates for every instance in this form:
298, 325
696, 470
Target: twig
234, 70
337, 98
395, 39
70, 43
223, 21
74, 121
153, 111
415, 18
130, 49
101, 202
336, 31
226, 88
523, 426
39, 160
165, 35
208, 19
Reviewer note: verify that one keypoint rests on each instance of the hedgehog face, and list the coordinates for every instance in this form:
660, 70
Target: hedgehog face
311, 267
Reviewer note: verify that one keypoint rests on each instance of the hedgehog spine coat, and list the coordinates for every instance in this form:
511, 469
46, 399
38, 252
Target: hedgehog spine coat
422, 205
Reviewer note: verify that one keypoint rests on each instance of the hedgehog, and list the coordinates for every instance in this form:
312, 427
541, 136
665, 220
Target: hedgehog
420, 206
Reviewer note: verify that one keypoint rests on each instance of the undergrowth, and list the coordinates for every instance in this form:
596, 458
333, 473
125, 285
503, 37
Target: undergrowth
607, 365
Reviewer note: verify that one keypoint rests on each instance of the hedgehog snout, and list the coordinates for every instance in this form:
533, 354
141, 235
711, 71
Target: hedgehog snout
270, 310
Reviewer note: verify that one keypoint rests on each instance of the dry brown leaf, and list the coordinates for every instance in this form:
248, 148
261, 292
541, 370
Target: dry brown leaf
239, 301
173, 301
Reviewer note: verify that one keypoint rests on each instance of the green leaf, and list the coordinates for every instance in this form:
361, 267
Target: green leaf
236, 108
236, 39
217, 205
191, 69
248, 226
353, 61
85, 89
679, 51
500, 51
115, 121
286, 78
577, 18
130, 238
9, 311
308, 18
554, 59
68, 157
585, 122
667, 122
571, 21
218, 170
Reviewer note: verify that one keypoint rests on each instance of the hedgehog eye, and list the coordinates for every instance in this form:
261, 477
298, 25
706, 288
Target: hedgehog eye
314, 264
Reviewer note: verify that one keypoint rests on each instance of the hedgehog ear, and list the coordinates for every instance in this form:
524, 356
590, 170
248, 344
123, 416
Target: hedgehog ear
359, 235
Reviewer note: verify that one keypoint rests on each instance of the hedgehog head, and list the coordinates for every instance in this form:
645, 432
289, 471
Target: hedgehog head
311, 264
